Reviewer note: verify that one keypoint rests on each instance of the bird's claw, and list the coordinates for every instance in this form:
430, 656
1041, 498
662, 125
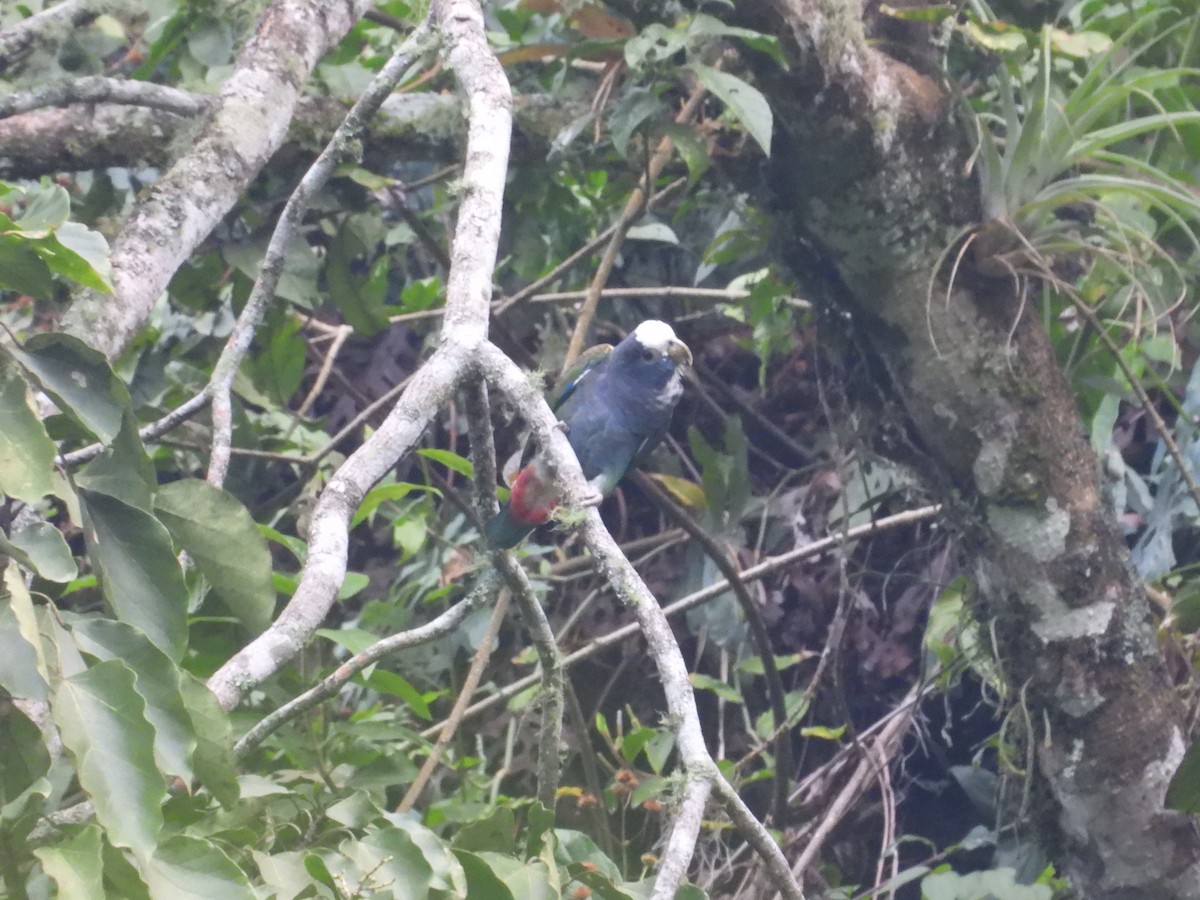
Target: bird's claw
591, 498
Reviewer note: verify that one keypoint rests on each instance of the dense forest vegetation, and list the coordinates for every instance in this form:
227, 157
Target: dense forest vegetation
904, 604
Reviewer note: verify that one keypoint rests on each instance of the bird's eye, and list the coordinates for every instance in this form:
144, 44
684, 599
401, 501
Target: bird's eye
648, 355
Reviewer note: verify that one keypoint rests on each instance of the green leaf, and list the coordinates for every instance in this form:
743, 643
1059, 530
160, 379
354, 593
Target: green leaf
139, 575
691, 147
23, 669
100, 717
157, 682
823, 732
1183, 793
186, 867
482, 881
78, 379
122, 470
49, 206
213, 759
26, 451
636, 108
918, 13
720, 688
45, 550
23, 755
745, 101
76, 865
226, 545
391, 683
450, 460
81, 254
385, 492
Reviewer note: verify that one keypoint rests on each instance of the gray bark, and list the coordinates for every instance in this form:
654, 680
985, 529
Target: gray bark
868, 166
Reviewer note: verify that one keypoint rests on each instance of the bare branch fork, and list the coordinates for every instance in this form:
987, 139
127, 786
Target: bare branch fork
462, 355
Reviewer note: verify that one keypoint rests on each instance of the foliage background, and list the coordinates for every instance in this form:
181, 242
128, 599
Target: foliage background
1088, 146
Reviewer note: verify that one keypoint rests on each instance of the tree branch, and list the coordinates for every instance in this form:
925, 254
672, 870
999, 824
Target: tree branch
340, 147
100, 89
248, 122
460, 24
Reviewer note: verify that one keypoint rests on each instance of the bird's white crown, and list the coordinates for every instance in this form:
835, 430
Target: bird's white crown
655, 335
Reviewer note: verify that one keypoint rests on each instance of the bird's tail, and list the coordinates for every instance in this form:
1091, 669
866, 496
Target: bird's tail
505, 531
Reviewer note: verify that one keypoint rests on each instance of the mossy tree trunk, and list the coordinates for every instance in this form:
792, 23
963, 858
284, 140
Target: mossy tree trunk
869, 167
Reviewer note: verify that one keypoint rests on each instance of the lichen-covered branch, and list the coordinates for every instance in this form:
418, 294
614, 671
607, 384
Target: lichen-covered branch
700, 769
477, 234
870, 171
248, 122
220, 384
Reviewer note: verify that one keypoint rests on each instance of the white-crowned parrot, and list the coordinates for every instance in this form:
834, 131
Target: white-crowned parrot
616, 404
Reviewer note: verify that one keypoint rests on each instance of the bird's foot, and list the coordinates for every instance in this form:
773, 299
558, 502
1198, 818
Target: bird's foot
591, 498
562, 426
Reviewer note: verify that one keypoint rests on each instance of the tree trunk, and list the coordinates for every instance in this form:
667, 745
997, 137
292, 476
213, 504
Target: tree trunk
868, 166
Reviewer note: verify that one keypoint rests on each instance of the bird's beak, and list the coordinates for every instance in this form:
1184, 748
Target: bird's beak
679, 353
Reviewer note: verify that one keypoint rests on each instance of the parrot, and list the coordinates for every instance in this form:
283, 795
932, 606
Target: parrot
615, 405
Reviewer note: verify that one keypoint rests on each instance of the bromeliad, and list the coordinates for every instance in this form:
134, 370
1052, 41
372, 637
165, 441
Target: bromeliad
616, 405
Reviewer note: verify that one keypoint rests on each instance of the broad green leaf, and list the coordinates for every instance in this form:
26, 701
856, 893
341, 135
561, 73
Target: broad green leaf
49, 206
45, 550
753, 665
385, 492
225, 544
23, 670
23, 755
213, 759
21, 269
991, 883
186, 867
1183, 793
494, 833
527, 879
720, 688
387, 857
391, 683
122, 470
101, 719
158, 683
81, 254
284, 873
139, 574
26, 451
691, 147
635, 109
450, 460
76, 865
482, 880
745, 101
78, 379
654, 44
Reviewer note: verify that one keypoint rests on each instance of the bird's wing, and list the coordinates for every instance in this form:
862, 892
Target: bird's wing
587, 364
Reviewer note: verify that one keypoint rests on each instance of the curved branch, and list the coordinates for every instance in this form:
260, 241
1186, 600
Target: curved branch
332, 683
99, 89
468, 293
338, 150
248, 123
701, 771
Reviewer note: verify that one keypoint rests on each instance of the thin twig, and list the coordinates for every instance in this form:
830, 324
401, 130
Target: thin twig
758, 631
340, 147
101, 89
483, 455
634, 207
470, 683
332, 683
753, 573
